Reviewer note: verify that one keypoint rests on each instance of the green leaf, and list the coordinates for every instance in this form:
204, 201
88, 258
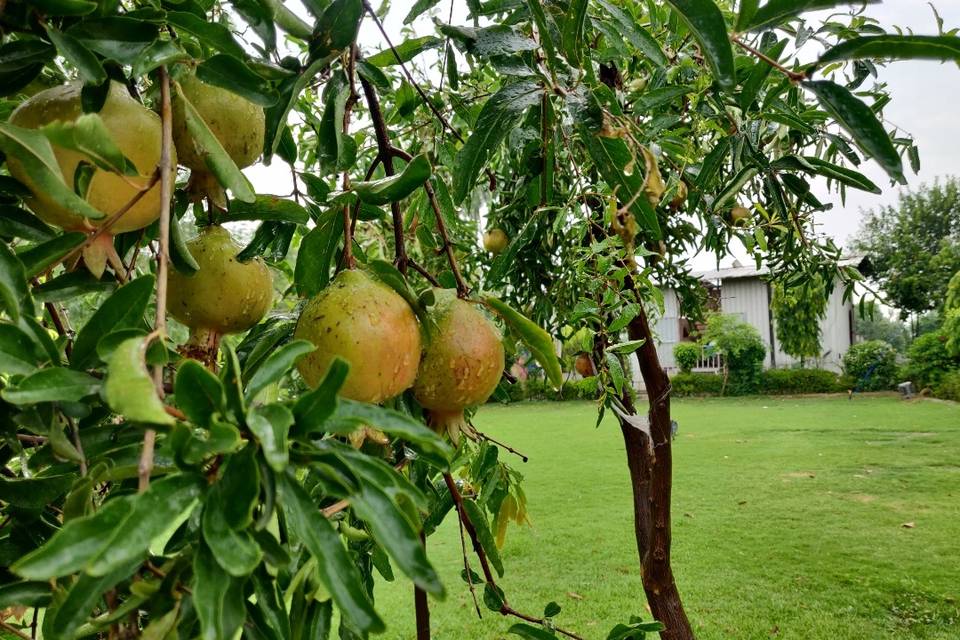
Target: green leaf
56, 384
241, 482
551, 610
398, 187
14, 294
317, 249
843, 175
420, 7
20, 223
626, 347
616, 371
336, 29
88, 65
32, 150
217, 597
118, 38
488, 42
861, 123
25, 594
479, 520
289, 90
707, 25
180, 256
895, 47
78, 542
166, 502
227, 72
499, 115
212, 33
544, 33
64, 7
530, 632
198, 393
493, 597
748, 9
266, 207
537, 340
129, 388
730, 192
336, 568
17, 351
573, 31
407, 50
80, 600
271, 424
276, 365
259, 16
315, 407
351, 414
159, 53
37, 259
392, 529
776, 12
218, 161
235, 551
123, 309
639, 37
71, 285
34, 493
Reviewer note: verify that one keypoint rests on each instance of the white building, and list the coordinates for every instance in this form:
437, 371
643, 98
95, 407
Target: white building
744, 292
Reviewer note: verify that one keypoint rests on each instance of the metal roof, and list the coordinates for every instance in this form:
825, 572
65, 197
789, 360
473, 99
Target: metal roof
739, 271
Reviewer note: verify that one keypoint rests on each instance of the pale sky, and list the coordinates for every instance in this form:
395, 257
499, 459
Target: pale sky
925, 99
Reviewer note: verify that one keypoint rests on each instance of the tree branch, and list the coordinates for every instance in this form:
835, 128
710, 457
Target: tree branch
163, 258
386, 154
793, 75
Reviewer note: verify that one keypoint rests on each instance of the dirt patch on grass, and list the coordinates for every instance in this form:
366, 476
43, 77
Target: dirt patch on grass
793, 475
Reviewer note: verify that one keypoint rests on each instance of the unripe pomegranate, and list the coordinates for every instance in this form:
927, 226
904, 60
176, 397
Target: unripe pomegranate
236, 122
461, 365
224, 295
369, 325
739, 214
495, 241
584, 365
136, 131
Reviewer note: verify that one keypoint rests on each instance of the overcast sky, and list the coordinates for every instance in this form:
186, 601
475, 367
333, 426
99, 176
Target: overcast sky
924, 105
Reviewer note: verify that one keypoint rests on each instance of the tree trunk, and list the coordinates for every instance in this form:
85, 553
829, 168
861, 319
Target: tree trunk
422, 607
652, 481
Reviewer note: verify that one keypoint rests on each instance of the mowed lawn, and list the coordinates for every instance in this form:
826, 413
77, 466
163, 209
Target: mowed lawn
812, 518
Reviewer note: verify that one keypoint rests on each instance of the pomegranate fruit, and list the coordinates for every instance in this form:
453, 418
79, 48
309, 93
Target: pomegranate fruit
739, 214
461, 365
136, 131
584, 365
224, 295
369, 325
236, 122
495, 241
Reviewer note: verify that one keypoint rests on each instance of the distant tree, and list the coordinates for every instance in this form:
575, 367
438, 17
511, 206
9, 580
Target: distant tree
914, 247
798, 309
874, 324
951, 323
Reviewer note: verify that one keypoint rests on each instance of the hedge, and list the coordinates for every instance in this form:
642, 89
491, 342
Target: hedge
949, 387
772, 382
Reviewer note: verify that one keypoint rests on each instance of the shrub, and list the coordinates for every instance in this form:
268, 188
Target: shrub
686, 355
697, 384
872, 364
799, 381
928, 360
949, 387
742, 349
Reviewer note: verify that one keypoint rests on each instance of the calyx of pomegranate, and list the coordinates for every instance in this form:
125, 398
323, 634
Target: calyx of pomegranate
461, 366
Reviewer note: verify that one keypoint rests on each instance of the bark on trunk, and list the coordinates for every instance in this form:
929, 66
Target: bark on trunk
652, 481
422, 607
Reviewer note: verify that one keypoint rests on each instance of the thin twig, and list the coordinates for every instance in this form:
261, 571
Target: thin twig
793, 75
13, 630
481, 434
505, 608
386, 154
409, 76
163, 256
416, 266
462, 289
469, 571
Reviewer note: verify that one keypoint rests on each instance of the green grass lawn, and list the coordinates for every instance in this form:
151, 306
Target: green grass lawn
788, 522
